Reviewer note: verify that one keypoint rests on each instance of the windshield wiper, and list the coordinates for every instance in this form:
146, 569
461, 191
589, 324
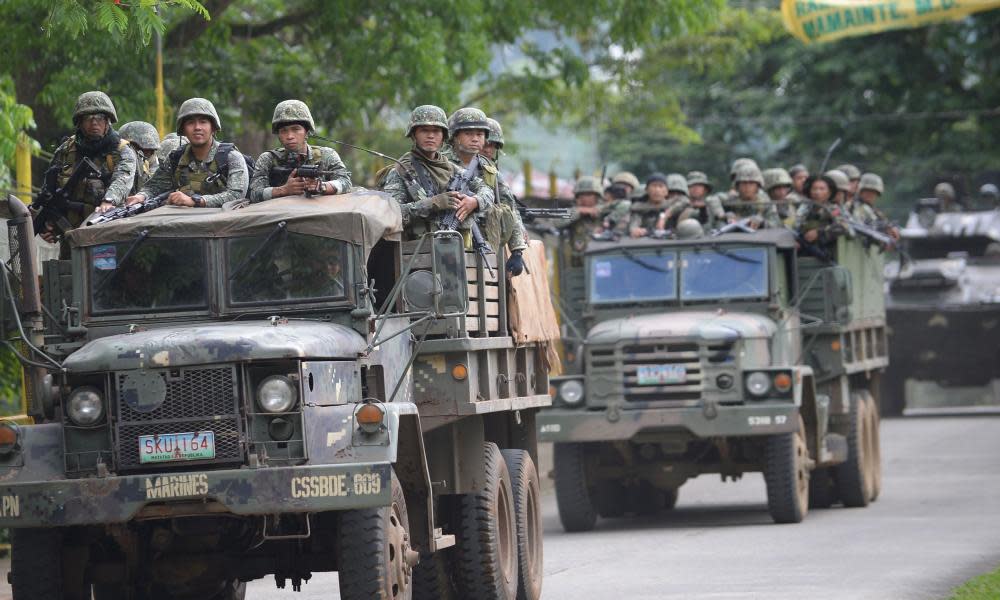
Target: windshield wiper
644, 264
734, 256
139, 239
279, 228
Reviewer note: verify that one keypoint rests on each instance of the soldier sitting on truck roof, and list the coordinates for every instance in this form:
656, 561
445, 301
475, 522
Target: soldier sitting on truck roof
707, 209
817, 219
678, 204
645, 215
748, 203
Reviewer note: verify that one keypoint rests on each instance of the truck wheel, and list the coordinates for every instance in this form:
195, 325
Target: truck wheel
786, 473
373, 547
822, 489
609, 499
486, 561
432, 578
528, 516
854, 477
576, 508
875, 444
37, 567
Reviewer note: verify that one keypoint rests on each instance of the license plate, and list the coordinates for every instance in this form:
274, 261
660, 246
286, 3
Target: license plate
176, 446
660, 374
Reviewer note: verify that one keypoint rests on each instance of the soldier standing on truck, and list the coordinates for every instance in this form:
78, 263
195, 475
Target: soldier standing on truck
870, 189
816, 220
203, 173
678, 204
707, 207
94, 139
145, 142
420, 181
749, 204
799, 174
274, 173
645, 214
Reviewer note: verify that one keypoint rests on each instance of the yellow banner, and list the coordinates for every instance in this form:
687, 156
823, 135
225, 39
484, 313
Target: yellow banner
827, 20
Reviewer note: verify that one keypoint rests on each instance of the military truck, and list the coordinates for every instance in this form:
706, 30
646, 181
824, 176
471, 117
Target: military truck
728, 355
287, 388
943, 308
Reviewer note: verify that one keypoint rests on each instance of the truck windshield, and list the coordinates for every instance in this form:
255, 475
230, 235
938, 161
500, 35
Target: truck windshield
286, 266
714, 273
633, 276
147, 273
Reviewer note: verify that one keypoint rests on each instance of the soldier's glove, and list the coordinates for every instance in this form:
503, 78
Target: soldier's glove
515, 264
443, 202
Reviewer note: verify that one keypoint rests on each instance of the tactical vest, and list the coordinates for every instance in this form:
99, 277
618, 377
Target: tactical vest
290, 160
89, 191
191, 176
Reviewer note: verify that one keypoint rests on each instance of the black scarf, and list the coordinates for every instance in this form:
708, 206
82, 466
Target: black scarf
97, 148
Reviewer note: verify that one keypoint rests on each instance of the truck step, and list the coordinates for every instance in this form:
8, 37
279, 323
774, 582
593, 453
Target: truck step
441, 541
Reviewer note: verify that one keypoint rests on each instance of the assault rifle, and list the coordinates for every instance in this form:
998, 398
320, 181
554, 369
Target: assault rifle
461, 182
52, 203
871, 233
530, 214
280, 175
129, 210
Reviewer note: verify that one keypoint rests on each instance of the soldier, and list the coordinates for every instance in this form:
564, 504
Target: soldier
778, 185
799, 174
707, 208
749, 202
171, 142
425, 199
678, 204
854, 176
586, 218
947, 201
145, 142
204, 172
817, 219
617, 212
274, 174
644, 214
511, 225
94, 139
841, 195
627, 179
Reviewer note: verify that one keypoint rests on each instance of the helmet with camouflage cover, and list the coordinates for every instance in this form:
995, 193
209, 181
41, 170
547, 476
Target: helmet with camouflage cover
427, 115
677, 183
92, 103
193, 107
495, 136
776, 177
990, 190
292, 111
871, 181
688, 229
698, 177
797, 168
841, 179
853, 173
468, 118
741, 162
587, 185
141, 134
748, 172
627, 178
945, 191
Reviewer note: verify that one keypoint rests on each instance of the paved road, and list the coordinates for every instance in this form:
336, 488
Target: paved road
936, 523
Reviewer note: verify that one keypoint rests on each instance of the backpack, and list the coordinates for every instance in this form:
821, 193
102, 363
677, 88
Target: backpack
221, 159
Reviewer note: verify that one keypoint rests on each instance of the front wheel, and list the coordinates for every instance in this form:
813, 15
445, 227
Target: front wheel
786, 473
576, 506
373, 547
39, 569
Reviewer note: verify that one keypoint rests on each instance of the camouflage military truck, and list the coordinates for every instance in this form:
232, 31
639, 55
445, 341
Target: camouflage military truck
728, 354
286, 388
943, 308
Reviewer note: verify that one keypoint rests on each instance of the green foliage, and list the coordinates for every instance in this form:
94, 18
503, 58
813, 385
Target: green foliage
14, 119
134, 22
984, 587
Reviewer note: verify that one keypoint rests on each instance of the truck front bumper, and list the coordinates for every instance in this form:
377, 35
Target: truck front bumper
563, 425
270, 490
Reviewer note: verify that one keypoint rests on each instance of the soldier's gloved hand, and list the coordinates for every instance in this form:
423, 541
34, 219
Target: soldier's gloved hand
515, 264
445, 201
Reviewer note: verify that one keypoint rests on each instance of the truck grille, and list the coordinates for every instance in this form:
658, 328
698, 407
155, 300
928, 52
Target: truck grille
620, 365
200, 399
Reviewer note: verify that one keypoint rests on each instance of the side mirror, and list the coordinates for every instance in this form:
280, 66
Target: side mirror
448, 263
838, 291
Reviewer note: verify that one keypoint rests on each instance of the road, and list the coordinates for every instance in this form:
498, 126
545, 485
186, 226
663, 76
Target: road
936, 523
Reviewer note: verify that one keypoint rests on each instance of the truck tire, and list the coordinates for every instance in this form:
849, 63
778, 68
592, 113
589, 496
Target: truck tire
576, 507
786, 474
486, 544
36, 566
875, 444
373, 550
432, 578
854, 477
528, 516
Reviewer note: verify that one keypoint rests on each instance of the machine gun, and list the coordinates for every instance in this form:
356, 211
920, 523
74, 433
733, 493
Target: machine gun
528, 215
279, 175
871, 233
461, 182
129, 210
52, 204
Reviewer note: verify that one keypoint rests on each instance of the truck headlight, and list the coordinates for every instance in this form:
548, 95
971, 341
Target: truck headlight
758, 384
85, 406
571, 392
276, 394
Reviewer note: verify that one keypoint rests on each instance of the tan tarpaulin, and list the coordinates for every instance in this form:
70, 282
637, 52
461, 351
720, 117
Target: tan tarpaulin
532, 317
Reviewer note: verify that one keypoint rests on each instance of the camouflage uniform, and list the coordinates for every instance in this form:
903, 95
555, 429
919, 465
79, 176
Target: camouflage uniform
432, 176
143, 137
266, 178
171, 142
191, 176
822, 217
112, 155
616, 215
713, 210
864, 212
761, 209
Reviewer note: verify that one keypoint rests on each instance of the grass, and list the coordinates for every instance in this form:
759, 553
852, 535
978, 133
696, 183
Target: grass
984, 587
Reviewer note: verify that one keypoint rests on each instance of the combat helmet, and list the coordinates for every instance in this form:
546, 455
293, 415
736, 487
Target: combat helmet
427, 115
853, 173
841, 179
91, 103
989, 190
741, 162
495, 136
945, 191
776, 177
749, 172
797, 168
627, 178
687, 229
698, 177
677, 183
141, 134
288, 112
197, 107
871, 181
587, 185
467, 118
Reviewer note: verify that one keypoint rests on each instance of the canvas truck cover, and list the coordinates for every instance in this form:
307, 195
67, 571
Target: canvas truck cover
532, 318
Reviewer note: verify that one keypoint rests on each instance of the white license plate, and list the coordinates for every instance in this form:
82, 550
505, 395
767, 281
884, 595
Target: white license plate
661, 374
176, 446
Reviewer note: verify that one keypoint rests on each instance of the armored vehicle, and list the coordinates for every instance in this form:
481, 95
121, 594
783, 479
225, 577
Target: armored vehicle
728, 354
219, 395
943, 310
